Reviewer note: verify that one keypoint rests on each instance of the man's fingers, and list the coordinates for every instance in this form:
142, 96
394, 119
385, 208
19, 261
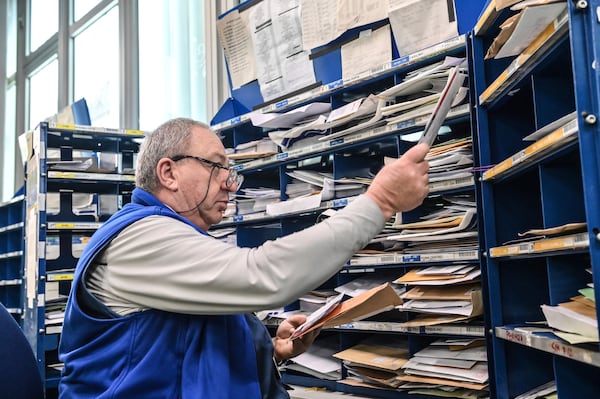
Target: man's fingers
417, 153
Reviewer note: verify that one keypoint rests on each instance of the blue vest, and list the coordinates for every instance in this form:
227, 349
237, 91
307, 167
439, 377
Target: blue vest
151, 354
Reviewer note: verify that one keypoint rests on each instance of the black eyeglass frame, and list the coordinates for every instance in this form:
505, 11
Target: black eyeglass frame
233, 176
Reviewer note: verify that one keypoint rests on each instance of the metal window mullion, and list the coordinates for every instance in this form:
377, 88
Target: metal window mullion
65, 94
3, 84
129, 65
92, 16
20, 75
41, 56
217, 82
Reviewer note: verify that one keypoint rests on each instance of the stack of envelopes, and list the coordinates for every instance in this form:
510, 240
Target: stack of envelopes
575, 320
374, 364
442, 294
451, 366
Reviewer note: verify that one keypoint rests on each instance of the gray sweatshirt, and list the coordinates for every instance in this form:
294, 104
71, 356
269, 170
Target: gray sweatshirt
161, 263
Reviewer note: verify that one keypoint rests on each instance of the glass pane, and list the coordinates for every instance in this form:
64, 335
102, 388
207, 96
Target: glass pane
11, 38
43, 93
81, 7
43, 22
8, 145
96, 71
172, 61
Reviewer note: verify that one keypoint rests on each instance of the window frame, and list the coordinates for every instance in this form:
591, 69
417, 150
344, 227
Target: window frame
61, 45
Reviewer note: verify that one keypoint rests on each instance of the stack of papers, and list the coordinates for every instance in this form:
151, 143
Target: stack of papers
575, 320
449, 366
441, 213
253, 150
450, 164
375, 364
442, 294
318, 180
318, 360
459, 226
294, 125
55, 314
308, 188
459, 299
518, 31
367, 282
415, 97
541, 392
251, 200
339, 188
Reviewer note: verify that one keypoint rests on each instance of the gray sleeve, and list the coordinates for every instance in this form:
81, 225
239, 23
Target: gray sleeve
161, 263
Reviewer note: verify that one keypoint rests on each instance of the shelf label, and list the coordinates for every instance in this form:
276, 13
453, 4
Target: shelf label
281, 104
456, 330
335, 85
575, 241
63, 175
515, 337
561, 349
62, 225
400, 61
60, 277
507, 251
340, 202
405, 124
281, 156
411, 258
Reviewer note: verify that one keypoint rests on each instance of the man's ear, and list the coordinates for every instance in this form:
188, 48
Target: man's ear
167, 174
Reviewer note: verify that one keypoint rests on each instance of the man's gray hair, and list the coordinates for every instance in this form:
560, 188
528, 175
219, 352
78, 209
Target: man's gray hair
169, 139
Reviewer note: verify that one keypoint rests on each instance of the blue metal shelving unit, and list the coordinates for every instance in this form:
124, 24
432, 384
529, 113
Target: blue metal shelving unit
539, 186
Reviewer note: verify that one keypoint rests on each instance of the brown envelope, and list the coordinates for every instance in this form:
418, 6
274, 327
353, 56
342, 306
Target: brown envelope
580, 308
442, 381
375, 356
369, 303
449, 292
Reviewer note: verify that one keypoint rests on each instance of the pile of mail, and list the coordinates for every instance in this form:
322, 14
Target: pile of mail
451, 165
544, 391
375, 362
523, 27
453, 368
252, 150
449, 224
575, 321
442, 294
251, 200
318, 360
413, 98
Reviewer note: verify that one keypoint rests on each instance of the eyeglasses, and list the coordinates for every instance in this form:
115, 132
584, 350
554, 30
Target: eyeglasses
233, 176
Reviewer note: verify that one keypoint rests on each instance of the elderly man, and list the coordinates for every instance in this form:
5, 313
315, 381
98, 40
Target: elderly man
158, 308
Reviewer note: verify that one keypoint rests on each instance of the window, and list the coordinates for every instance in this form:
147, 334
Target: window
11, 38
174, 38
43, 93
43, 22
96, 70
8, 145
82, 7
172, 61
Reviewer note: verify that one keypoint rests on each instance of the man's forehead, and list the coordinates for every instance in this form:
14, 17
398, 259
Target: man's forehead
206, 142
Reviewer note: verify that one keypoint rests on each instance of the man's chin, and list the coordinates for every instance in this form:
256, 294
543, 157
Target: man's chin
218, 217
